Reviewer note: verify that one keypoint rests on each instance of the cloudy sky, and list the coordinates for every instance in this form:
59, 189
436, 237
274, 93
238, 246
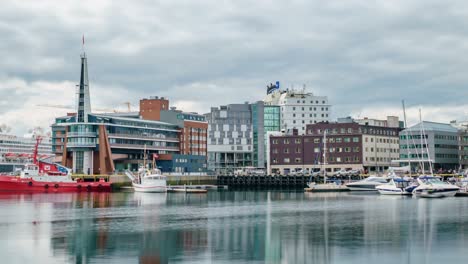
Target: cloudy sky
365, 55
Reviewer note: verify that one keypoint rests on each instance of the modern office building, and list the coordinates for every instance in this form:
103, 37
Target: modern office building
462, 127
298, 108
429, 142
103, 143
349, 145
229, 137
237, 135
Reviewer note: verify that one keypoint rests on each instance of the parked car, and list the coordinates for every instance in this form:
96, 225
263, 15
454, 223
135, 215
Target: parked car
354, 173
341, 172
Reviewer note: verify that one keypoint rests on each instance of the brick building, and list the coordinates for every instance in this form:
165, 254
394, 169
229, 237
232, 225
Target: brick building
349, 145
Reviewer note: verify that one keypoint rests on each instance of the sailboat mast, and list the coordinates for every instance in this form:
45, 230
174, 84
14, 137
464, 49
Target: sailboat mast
324, 155
422, 142
144, 157
406, 136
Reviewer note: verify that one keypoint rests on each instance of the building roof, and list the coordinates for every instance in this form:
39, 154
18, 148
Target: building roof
133, 119
432, 126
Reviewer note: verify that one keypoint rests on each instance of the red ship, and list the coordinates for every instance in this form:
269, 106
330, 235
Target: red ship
41, 176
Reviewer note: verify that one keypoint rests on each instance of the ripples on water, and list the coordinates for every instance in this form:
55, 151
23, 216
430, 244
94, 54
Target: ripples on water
231, 227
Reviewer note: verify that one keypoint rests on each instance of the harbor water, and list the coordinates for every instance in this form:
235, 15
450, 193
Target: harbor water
231, 227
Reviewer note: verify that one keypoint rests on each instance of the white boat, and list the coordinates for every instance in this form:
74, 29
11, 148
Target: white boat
326, 187
368, 184
148, 180
463, 184
396, 186
432, 187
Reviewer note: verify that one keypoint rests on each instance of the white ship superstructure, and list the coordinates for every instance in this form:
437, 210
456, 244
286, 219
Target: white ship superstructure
16, 151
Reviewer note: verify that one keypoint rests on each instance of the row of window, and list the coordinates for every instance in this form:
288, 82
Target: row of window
382, 140
329, 159
318, 140
310, 109
412, 136
445, 137
319, 150
447, 156
303, 101
383, 150
379, 159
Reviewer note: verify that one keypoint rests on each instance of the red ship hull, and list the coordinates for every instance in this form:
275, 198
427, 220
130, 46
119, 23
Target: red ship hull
12, 183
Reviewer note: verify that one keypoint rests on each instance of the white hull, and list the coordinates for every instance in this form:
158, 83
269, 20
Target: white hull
366, 189
426, 194
327, 187
393, 192
149, 188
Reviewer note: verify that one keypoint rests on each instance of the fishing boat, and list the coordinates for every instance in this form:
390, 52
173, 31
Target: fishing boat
148, 180
40, 176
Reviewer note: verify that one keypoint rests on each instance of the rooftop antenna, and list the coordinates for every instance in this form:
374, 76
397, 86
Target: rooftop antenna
82, 44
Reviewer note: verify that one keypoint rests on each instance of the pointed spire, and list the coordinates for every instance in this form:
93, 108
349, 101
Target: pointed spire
83, 100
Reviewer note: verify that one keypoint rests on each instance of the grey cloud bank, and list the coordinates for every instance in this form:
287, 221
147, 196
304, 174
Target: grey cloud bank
366, 56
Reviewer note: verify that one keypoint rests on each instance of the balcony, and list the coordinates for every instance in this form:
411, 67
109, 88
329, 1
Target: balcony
80, 145
141, 147
142, 136
81, 134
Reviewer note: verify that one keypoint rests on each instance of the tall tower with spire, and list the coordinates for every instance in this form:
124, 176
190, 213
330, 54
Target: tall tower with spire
83, 98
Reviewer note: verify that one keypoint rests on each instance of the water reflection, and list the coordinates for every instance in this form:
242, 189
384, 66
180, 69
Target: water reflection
226, 227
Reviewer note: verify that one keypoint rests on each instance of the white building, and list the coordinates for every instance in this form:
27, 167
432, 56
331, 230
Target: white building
299, 108
380, 142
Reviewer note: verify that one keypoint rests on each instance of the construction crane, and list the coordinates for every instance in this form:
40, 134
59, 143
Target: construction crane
128, 105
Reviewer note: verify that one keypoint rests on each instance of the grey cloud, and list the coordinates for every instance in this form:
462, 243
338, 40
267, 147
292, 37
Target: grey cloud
360, 53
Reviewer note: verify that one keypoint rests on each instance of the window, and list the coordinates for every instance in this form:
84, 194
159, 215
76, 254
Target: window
316, 140
275, 151
338, 140
356, 149
286, 141
355, 139
297, 141
298, 160
298, 150
347, 139
286, 160
294, 115
294, 108
347, 149
316, 150
286, 150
